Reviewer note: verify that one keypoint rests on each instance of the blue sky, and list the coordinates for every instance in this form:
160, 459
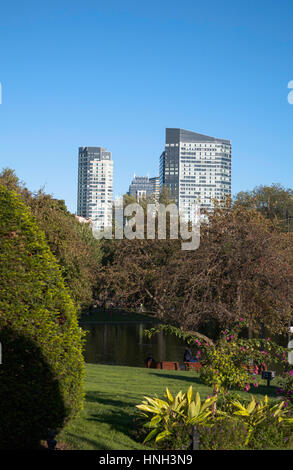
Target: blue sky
116, 74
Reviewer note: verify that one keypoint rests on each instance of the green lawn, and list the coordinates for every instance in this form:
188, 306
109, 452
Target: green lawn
106, 423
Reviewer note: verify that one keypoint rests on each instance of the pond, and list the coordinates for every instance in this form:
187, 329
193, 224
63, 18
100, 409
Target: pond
125, 344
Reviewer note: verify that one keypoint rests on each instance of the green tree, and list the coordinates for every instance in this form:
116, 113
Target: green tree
41, 378
77, 251
73, 244
274, 202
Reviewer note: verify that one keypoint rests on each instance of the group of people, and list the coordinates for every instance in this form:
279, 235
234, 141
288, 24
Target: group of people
188, 357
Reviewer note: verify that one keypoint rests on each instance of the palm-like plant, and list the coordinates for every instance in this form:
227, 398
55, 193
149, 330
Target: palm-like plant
256, 412
162, 417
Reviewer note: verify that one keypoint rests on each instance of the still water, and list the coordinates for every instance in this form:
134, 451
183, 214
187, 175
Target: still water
125, 344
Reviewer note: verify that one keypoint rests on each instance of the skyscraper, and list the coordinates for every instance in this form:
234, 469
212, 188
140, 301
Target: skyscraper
143, 186
155, 182
95, 186
195, 167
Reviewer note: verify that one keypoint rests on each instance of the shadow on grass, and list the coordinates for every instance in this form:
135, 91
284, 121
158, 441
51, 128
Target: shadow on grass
188, 378
113, 415
260, 390
100, 398
263, 390
90, 442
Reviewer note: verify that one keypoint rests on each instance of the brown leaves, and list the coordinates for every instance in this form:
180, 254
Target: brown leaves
242, 268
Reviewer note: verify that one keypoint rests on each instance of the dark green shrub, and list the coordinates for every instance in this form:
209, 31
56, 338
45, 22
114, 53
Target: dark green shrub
270, 434
181, 439
27, 388
224, 434
42, 372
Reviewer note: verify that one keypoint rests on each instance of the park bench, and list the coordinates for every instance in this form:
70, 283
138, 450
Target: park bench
168, 365
172, 365
192, 365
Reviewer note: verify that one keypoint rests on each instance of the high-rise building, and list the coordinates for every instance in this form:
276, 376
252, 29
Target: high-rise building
155, 181
196, 168
143, 186
95, 186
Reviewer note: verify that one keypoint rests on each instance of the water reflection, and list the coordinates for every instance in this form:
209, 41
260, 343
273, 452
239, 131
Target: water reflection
125, 344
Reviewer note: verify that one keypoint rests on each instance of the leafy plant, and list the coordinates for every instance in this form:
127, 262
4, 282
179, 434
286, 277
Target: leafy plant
256, 413
163, 417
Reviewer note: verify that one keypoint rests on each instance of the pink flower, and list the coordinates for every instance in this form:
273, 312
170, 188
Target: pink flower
291, 372
255, 384
240, 319
247, 387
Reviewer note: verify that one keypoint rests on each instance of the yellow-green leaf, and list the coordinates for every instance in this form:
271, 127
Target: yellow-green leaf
162, 435
169, 395
189, 394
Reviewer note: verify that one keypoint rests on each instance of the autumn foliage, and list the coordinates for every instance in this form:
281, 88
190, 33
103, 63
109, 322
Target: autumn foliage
243, 268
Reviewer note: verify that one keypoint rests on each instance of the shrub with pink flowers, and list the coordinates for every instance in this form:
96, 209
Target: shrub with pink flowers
225, 361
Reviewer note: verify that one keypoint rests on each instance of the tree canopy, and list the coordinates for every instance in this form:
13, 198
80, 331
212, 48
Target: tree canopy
77, 251
243, 268
274, 202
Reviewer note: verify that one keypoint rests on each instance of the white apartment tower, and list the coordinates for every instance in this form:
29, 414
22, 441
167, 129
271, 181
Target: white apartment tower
196, 168
95, 186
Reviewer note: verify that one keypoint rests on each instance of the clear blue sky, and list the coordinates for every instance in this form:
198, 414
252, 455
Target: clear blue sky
117, 73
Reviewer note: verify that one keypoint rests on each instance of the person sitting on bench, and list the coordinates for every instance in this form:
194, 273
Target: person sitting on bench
188, 355
150, 362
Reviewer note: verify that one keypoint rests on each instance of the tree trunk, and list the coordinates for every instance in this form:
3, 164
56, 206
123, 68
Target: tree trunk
215, 393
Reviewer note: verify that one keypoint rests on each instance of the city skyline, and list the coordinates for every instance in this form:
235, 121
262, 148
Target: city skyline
117, 84
196, 168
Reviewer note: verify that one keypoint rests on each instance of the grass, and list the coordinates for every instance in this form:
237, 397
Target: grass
115, 315
107, 421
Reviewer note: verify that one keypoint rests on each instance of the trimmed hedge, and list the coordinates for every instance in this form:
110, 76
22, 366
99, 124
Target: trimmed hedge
41, 376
